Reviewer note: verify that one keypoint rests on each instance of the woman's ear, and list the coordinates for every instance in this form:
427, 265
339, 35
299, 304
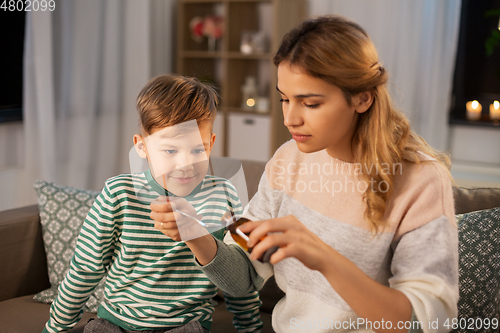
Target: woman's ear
140, 147
363, 101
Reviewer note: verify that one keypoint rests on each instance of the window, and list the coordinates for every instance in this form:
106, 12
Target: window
477, 75
11, 65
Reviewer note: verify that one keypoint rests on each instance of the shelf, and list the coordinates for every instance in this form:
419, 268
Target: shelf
202, 1
226, 55
485, 121
218, 1
239, 55
227, 68
248, 0
202, 54
244, 111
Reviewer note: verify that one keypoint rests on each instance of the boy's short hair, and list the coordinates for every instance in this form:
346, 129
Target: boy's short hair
169, 100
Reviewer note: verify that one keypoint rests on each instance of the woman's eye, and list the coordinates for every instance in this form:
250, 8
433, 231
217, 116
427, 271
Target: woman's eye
284, 100
170, 151
311, 106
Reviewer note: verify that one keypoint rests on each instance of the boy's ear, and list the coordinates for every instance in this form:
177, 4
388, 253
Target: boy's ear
212, 141
362, 101
140, 147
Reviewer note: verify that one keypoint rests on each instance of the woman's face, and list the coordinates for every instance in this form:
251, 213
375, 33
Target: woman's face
316, 113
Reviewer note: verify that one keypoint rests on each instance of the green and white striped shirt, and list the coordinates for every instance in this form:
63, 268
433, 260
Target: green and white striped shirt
152, 281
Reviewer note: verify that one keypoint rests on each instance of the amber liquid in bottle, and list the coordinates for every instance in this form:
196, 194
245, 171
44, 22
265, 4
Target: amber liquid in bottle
237, 238
243, 242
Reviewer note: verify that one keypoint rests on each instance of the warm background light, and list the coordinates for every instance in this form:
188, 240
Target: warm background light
495, 110
474, 109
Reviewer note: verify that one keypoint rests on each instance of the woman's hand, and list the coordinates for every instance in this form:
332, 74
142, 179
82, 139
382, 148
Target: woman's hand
293, 238
172, 223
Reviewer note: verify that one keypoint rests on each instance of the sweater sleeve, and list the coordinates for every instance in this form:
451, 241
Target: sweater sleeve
93, 253
245, 308
425, 249
231, 269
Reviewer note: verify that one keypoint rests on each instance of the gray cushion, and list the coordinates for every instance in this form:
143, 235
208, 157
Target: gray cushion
62, 212
479, 271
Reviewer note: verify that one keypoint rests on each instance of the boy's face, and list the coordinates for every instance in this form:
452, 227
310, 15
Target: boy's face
178, 155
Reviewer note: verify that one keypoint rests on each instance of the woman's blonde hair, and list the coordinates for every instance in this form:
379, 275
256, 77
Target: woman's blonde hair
341, 53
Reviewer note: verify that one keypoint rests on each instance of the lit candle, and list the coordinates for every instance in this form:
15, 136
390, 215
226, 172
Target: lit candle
495, 110
474, 109
250, 102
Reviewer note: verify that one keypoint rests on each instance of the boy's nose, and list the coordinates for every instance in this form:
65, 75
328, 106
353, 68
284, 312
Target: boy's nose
184, 162
185, 167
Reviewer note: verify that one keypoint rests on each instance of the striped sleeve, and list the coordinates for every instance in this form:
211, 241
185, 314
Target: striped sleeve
232, 198
93, 253
246, 311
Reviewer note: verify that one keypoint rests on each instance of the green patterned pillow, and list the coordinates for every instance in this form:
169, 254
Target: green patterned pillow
62, 212
479, 271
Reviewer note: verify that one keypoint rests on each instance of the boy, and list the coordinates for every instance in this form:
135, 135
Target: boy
153, 283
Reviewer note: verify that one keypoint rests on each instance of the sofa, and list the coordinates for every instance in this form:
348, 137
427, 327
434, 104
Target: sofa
23, 263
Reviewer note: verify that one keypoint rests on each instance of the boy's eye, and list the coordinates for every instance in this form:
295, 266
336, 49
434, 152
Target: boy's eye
198, 151
170, 151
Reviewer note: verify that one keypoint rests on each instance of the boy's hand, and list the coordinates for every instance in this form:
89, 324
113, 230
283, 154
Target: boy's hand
174, 224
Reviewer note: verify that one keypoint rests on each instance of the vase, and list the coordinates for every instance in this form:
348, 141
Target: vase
211, 44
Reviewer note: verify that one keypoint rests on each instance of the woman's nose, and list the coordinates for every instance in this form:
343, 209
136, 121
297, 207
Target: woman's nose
291, 115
